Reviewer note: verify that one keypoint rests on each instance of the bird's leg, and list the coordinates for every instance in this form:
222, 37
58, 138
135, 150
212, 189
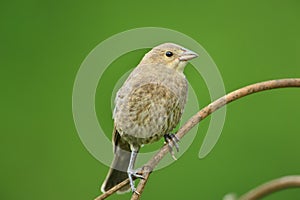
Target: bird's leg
132, 174
171, 138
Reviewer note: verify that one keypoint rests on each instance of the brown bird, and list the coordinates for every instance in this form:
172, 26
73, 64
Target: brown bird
148, 106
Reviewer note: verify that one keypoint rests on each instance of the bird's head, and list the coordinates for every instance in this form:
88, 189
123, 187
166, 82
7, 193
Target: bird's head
169, 55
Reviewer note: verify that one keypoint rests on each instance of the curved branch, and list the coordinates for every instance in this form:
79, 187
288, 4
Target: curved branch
271, 187
206, 111
203, 113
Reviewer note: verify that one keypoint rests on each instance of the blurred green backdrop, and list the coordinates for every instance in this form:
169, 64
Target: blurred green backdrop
43, 43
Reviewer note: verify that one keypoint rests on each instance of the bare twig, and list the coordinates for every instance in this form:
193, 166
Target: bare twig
113, 190
206, 111
271, 187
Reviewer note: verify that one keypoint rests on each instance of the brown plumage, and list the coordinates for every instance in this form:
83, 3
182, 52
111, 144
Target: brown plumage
148, 106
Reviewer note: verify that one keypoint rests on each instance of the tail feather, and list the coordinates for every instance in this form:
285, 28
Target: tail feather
118, 170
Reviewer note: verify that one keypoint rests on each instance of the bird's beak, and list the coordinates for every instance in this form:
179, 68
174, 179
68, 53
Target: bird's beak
187, 55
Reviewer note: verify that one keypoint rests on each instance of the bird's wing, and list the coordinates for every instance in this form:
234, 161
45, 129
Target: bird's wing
118, 141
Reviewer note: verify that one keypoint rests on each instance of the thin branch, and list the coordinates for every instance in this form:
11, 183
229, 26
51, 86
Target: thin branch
271, 187
206, 111
113, 190
203, 113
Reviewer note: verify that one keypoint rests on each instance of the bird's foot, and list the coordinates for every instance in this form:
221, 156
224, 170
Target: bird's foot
132, 175
170, 139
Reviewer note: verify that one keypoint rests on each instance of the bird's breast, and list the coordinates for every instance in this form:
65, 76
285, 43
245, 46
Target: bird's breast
149, 105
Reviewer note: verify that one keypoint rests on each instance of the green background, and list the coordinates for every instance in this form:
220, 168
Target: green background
43, 43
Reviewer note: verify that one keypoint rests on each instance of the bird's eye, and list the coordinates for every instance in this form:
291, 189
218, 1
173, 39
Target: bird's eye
169, 54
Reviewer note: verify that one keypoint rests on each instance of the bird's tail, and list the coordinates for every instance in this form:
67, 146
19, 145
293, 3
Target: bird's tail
118, 171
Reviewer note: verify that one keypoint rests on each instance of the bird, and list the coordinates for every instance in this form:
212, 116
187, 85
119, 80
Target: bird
148, 106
